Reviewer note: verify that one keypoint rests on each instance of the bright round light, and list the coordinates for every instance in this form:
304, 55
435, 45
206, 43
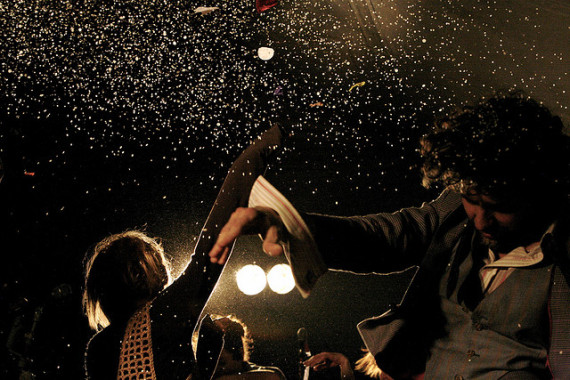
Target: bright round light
280, 279
251, 279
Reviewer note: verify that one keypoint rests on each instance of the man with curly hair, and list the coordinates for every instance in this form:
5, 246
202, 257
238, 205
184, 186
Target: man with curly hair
490, 298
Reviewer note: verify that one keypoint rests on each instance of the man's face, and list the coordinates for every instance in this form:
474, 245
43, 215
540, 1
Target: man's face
502, 225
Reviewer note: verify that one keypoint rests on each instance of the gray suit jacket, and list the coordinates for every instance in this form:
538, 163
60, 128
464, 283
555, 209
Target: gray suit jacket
422, 238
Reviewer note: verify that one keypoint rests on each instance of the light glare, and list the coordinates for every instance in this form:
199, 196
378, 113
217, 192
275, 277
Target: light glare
280, 279
251, 279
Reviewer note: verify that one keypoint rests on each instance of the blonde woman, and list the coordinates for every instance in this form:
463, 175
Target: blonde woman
144, 320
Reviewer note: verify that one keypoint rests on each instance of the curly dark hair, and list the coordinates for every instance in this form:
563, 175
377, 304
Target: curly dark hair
507, 144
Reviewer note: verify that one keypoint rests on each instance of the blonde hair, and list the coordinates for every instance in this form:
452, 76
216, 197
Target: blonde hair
238, 340
236, 335
123, 270
367, 365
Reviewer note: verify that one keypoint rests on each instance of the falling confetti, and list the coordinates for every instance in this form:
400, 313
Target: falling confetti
108, 99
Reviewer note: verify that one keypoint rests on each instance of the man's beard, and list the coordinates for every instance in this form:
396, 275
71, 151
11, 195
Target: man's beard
499, 245
492, 244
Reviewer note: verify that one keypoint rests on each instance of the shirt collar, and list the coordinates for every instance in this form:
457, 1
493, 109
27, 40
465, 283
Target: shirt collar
519, 257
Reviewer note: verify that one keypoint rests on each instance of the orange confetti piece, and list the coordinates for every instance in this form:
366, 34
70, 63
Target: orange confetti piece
359, 84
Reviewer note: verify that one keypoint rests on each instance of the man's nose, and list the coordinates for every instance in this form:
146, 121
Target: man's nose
483, 219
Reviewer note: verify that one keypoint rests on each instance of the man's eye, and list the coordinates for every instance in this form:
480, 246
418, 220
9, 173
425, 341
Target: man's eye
507, 208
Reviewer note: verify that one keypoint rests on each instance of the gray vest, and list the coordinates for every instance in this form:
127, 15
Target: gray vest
397, 337
488, 337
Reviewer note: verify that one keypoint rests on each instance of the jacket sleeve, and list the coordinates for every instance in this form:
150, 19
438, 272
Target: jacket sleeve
384, 242
189, 293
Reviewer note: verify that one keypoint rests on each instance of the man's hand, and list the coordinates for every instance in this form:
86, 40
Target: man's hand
247, 221
326, 360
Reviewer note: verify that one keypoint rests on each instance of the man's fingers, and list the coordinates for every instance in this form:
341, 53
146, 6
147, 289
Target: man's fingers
219, 252
272, 249
271, 244
315, 359
247, 221
319, 362
240, 219
221, 257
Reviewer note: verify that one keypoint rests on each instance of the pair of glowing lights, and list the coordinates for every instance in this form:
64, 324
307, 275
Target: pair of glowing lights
251, 279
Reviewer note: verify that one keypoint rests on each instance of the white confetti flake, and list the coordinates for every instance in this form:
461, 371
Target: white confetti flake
205, 10
265, 53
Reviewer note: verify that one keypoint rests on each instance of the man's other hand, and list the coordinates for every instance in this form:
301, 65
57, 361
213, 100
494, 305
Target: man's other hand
247, 221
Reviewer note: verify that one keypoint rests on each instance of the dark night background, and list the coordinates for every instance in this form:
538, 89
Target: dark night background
127, 114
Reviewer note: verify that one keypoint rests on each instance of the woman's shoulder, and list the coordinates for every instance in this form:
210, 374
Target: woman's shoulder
102, 349
104, 343
98, 342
